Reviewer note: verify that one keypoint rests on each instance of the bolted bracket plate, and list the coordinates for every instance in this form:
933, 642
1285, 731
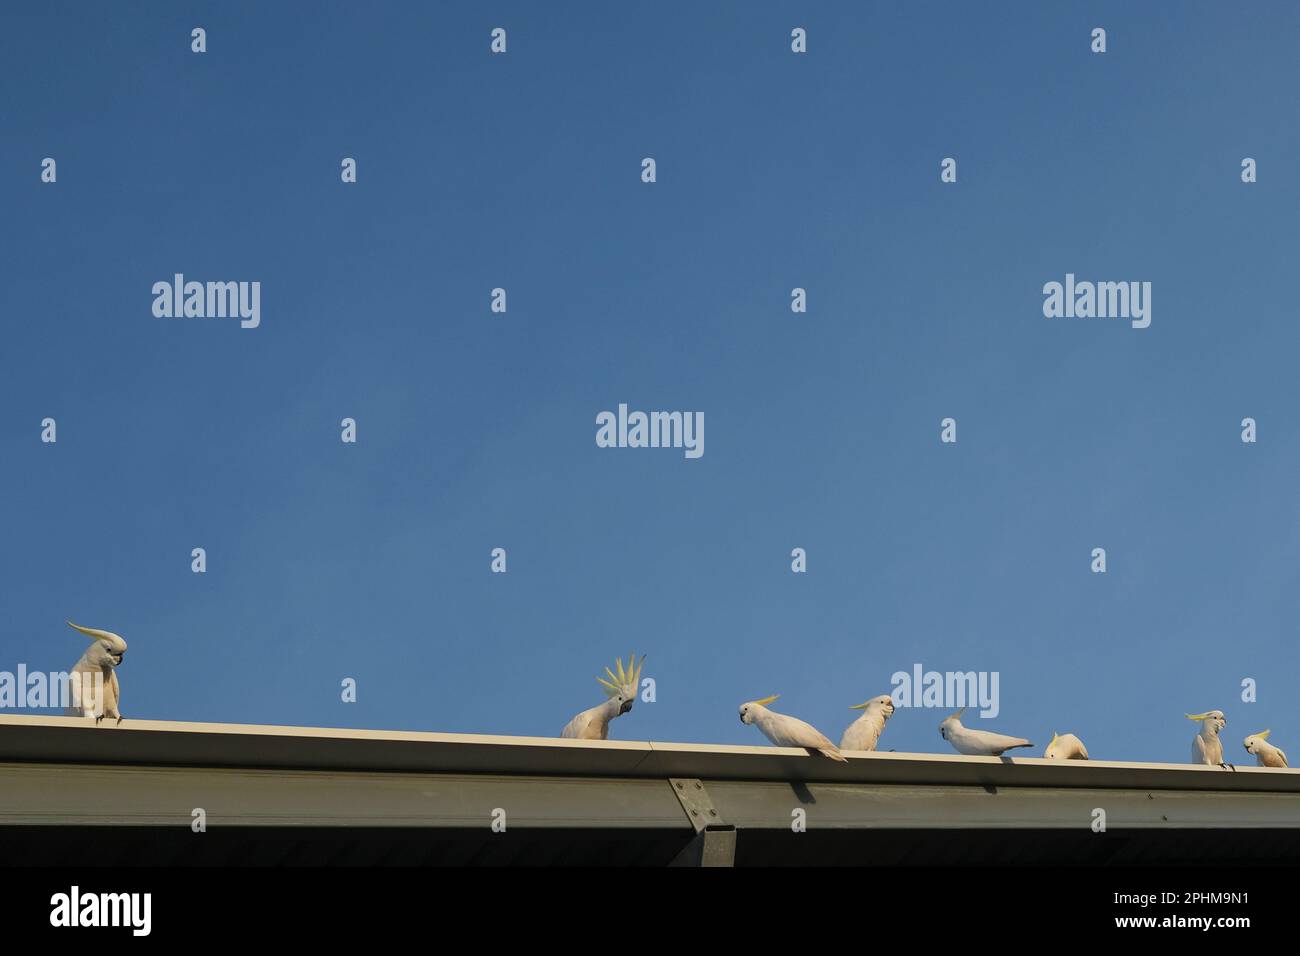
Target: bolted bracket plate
695, 801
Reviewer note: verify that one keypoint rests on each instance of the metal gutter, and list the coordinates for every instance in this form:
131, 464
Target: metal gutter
72, 740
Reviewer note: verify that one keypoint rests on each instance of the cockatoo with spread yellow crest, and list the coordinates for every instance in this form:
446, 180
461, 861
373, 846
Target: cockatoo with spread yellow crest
977, 743
1266, 755
1066, 747
620, 689
92, 681
864, 733
1207, 748
786, 731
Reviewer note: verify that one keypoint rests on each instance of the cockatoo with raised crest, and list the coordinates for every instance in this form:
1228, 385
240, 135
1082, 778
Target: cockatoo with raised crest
1266, 755
786, 731
864, 733
977, 743
620, 689
92, 681
1207, 748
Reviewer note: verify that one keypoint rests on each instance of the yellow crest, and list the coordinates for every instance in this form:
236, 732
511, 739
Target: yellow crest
626, 680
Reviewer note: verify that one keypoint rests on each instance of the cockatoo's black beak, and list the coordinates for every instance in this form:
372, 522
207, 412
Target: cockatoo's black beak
627, 705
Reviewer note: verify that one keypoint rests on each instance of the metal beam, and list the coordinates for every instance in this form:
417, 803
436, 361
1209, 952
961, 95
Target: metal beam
712, 846
312, 794
714, 843
82, 795
118, 795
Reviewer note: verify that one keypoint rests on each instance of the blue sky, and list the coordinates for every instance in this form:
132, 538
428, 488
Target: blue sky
476, 430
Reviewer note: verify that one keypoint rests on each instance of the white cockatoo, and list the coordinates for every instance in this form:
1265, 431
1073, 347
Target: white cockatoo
864, 733
1066, 747
1266, 755
92, 681
786, 731
620, 689
1207, 748
977, 743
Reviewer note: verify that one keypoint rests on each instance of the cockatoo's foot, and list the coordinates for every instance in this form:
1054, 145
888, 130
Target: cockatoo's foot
1228, 766
119, 720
